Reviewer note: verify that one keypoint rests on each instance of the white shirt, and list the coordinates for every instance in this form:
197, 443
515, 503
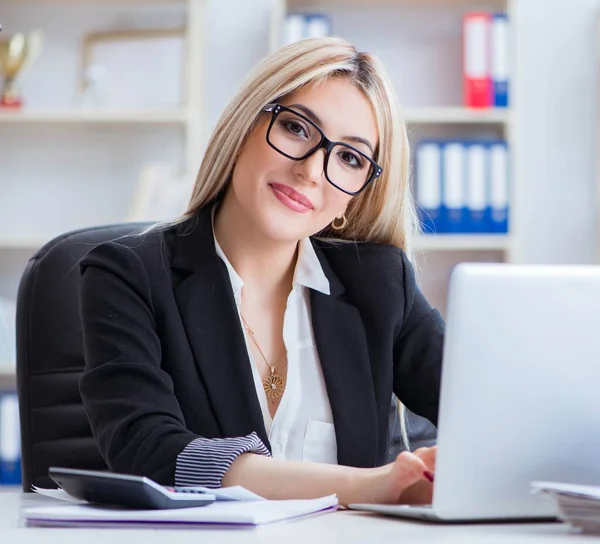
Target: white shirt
302, 428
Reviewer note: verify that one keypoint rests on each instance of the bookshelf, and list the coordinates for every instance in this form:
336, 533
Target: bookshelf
86, 160
87, 155
420, 42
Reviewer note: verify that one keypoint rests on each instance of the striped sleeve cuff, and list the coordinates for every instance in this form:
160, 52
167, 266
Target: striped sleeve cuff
204, 461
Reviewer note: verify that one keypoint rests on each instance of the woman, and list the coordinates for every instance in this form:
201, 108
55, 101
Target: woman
257, 340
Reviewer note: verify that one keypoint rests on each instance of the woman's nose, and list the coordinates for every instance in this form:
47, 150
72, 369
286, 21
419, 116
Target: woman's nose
312, 168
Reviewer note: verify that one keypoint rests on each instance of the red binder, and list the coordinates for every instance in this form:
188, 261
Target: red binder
477, 59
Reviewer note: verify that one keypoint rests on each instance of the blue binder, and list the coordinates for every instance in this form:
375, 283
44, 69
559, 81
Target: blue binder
10, 440
477, 187
500, 59
454, 207
499, 186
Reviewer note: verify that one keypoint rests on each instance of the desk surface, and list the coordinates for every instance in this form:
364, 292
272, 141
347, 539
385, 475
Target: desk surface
343, 527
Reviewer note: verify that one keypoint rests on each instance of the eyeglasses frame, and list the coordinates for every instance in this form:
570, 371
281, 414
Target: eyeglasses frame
325, 143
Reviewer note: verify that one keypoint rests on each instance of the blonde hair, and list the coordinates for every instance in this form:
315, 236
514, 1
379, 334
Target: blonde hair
384, 212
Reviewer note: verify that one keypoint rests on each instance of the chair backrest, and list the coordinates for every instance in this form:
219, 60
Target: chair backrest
54, 426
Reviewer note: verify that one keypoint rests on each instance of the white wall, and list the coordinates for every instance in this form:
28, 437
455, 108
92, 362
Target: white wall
557, 95
237, 37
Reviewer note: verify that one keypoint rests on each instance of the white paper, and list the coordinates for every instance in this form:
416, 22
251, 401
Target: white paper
572, 490
226, 512
59, 494
578, 505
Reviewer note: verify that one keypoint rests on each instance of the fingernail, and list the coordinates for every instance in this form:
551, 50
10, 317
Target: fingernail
428, 475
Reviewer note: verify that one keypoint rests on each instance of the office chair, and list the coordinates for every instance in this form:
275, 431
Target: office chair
54, 427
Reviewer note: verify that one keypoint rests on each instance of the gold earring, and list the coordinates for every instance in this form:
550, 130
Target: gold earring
339, 226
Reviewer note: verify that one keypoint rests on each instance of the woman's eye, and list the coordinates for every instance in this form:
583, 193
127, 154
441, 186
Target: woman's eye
295, 128
351, 159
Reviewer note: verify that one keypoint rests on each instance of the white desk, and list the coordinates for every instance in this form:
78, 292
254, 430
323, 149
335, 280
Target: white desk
343, 527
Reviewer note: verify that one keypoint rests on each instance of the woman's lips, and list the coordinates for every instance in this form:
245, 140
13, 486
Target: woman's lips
292, 199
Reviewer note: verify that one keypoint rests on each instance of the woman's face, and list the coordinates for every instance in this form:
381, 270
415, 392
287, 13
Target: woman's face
287, 200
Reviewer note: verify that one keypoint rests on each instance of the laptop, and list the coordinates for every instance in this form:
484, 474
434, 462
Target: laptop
520, 392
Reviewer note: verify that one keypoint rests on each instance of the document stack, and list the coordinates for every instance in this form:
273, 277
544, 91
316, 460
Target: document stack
462, 186
485, 60
577, 505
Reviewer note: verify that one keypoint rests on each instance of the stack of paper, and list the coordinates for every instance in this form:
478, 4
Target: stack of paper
577, 505
241, 511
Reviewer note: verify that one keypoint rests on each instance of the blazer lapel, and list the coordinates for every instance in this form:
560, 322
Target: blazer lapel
342, 346
207, 307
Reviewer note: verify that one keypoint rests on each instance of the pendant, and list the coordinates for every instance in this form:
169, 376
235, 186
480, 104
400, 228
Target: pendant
273, 385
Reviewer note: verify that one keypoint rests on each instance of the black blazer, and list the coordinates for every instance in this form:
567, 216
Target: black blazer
166, 360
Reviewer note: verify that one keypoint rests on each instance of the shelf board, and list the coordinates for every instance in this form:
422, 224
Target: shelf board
75, 116
447, 4
109, 2
8, 379
22, 243
463, 242
425, 241
433, 115
457, 115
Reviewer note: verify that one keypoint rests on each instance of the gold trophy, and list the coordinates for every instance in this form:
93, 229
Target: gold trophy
16, 52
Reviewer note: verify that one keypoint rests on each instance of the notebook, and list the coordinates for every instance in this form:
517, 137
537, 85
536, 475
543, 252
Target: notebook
240, 514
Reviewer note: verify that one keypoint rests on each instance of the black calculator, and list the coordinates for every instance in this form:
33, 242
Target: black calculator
126, 490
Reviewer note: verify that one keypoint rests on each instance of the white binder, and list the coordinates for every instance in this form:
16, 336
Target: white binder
428, 186
477, 182
454, 194
295, 28
499, 187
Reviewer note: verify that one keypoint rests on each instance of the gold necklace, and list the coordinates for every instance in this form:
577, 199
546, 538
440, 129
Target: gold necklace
274, 384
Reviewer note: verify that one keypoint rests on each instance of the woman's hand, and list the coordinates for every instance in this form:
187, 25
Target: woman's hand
405, 481
422, 491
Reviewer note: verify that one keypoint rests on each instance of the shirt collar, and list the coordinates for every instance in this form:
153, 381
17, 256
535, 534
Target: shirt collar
308, 273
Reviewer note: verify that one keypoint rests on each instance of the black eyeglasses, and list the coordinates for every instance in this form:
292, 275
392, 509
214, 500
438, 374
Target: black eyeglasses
297, 137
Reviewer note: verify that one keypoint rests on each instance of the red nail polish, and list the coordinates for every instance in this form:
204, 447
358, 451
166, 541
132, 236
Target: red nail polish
428, 475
